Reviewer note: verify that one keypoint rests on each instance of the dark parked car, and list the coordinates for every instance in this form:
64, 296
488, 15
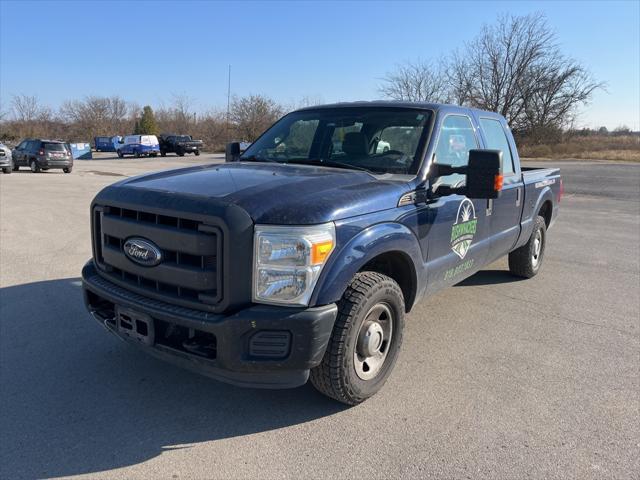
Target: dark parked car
39, 154
179, 144
300, 258
6, 162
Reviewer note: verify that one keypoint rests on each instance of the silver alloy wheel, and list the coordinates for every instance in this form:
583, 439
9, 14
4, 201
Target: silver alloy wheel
34, 166
373, 341
537, 249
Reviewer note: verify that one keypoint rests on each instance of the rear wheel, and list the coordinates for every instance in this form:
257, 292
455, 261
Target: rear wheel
365, 341
15, 167
136, 154
197, 152
163, 153
35, 168
527, 260
120, 155
180, 152
67, 170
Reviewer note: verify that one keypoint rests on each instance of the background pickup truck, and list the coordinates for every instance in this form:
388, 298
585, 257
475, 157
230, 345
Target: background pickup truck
300, 257
179, 144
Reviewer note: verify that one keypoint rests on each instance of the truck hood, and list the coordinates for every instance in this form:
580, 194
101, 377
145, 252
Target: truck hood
278, 194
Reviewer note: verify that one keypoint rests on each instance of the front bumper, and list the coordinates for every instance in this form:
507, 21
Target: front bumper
5, 162
243, 355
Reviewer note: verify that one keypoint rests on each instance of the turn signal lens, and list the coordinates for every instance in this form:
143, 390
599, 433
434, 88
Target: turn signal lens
498, 181
320, 252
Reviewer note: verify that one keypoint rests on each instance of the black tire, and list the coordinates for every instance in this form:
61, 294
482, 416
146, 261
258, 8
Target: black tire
7, 170
526, 261
337, 375
67, 170
163, 154
197, 153
180, 152
15, 167
35, 168
136, 154
120, 155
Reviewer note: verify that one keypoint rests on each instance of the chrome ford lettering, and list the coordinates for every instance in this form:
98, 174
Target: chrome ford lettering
143, 252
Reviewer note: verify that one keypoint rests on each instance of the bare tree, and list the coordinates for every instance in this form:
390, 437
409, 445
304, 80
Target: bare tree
513, 67
26, 108
252, 115
416, 82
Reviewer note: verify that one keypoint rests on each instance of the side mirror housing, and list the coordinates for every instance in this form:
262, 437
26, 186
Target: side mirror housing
484, 174
232, 152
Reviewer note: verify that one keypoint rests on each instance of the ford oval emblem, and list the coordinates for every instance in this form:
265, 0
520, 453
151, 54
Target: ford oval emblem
142, 251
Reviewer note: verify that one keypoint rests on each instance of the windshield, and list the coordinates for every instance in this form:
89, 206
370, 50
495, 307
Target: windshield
381, 140
183, 138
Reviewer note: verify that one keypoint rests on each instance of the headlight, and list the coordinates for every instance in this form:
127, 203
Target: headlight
288, 261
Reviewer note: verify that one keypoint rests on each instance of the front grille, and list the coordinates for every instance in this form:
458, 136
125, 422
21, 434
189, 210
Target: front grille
190, 271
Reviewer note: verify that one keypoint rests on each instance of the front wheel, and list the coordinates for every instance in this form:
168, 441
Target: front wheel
67, 169
136, 154
163, 153
527, 260
7, 170
120, 155
365, 341
197, 153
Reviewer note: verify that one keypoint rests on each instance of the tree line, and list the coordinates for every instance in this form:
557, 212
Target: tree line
514, 67
82, 120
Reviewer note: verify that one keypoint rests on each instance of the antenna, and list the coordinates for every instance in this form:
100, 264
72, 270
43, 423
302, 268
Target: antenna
228, 100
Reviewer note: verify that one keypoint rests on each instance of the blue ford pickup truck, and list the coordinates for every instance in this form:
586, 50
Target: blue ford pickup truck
300, 257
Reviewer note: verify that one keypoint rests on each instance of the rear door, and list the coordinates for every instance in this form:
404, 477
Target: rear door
457, 240
505, 211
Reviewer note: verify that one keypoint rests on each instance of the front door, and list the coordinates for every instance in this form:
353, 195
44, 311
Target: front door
458, 240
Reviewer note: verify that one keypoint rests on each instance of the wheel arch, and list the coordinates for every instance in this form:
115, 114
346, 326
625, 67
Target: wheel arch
389, 248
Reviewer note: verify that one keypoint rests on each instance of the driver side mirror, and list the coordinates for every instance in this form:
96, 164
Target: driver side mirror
232, 152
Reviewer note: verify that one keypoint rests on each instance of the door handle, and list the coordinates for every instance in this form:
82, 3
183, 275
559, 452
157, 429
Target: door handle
489, 210
518, 196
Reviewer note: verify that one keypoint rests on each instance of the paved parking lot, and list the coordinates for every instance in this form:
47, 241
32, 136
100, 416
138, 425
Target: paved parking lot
498, 378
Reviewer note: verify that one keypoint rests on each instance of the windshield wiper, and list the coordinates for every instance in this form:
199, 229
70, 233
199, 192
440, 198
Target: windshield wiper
255, 158
330, 163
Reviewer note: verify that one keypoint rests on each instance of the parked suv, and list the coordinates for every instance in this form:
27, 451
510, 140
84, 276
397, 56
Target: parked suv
41, 154
6, 162
180, 144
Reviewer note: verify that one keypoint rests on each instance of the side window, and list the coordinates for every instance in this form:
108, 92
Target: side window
497, 140
456, 139
297, 141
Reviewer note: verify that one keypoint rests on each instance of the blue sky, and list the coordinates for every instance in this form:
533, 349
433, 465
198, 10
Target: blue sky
334, 51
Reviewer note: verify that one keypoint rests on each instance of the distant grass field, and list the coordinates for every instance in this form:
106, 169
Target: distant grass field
596, 147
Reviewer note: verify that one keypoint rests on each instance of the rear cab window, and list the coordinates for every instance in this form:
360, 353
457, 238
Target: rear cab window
496, 139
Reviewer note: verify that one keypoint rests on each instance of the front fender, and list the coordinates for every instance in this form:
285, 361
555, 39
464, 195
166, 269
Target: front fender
362, 248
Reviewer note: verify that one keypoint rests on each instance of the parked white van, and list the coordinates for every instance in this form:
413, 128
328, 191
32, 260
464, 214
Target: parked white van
139, 145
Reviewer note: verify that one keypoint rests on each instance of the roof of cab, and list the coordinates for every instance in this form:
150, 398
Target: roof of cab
399, 104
